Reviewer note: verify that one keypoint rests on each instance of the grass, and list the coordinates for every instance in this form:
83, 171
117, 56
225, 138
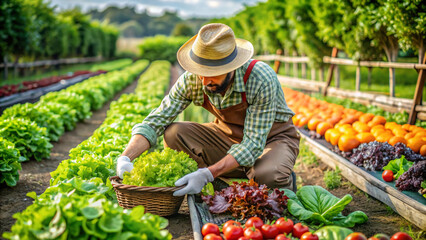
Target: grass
406, 79
305, 155
40, 73
332, 178
416, 235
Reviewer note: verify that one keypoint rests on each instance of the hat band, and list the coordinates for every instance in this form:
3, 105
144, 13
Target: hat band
213, 62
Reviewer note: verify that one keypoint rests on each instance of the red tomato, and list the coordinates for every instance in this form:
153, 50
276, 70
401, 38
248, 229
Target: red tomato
401, 236
282, 237
381, 236
356, 236
210, 228
254, 222
243, 238
299, 230
253, 233
387, 175
212, 236
309, 236
373, 238
284, 225
269, 231
233, 232
229, 223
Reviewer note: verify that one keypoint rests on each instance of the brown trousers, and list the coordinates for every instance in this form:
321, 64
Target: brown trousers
206, 144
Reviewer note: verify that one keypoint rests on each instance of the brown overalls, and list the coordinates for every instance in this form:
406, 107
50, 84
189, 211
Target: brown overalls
208, 143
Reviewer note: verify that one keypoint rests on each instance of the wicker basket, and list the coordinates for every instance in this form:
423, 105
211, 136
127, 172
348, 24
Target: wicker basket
156, 200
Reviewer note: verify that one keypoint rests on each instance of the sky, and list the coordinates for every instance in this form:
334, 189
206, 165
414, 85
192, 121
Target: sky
185, 8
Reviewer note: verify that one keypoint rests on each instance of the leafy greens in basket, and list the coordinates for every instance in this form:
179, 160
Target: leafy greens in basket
160, 169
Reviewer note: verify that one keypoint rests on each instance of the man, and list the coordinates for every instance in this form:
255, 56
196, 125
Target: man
253, 135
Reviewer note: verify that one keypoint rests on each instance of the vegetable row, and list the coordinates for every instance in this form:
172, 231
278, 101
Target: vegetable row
80, 202
367, 140
28, 128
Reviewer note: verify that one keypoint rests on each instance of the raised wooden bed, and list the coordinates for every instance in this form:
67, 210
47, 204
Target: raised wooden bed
410, 205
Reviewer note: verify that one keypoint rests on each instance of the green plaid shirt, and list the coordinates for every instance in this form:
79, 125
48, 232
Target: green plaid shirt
264, 96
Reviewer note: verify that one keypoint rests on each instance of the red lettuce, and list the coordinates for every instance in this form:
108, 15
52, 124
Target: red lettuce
248, 199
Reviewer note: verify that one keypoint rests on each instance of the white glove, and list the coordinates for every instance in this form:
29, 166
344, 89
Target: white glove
123, 165
195, 182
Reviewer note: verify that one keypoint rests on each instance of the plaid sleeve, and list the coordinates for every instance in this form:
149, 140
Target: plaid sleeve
260, 116
174, 103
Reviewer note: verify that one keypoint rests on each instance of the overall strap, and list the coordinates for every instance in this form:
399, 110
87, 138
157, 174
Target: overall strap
246, 77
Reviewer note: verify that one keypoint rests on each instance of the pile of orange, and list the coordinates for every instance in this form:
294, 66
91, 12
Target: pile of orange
348, 128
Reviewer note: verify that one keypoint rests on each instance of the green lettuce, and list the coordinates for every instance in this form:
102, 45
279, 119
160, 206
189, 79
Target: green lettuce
398, 166
10, 163
160, 169
316, 205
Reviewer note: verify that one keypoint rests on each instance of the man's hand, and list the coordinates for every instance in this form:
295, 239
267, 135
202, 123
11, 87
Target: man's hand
195, 182
123, 165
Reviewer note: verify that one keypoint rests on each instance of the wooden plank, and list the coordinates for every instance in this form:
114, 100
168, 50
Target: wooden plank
300, 83
407, 207
195, 220
330, 72
277, 63
358, 79
350, 62
421, 116
417, 94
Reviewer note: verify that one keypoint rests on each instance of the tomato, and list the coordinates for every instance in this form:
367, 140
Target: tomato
282, 237
254, 222
212, 236
269, 231
381, 236
299, 230
373, 238
233, 232
210, 228
356, 236
253, 233
401, 236
230, 222
243, 238
284, 225
309, 236
387, 175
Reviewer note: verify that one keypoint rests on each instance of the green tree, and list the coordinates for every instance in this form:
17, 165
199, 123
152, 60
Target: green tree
408, 22
132, 29
182, 29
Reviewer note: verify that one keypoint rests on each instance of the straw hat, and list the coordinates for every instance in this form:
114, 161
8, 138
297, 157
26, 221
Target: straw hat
214, 51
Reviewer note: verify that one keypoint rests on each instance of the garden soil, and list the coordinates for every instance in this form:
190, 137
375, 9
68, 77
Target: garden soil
35, 177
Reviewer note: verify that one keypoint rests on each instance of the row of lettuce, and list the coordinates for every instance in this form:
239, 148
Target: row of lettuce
80, 202
26, 130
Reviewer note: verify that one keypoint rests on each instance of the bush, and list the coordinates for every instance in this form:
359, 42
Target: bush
161, 48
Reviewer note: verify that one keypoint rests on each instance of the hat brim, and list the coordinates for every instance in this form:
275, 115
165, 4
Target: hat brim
244, 53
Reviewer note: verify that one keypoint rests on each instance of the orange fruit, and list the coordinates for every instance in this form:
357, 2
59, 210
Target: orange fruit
379, 120
396, 139
409, 135
420, 134
365, 118
415, 144
350, 131
384, 137
303, 121
334, 119
347, 143
406, 127
334, 137
423, 150
400, 132
322, 127
342, 128
313, 123
378, 132
327, 134
390, 125
365, 137
361, 127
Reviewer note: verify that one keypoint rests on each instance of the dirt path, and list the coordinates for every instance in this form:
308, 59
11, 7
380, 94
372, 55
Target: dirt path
35, 176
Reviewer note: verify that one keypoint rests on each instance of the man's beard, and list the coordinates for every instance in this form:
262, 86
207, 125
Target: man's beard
222, 87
